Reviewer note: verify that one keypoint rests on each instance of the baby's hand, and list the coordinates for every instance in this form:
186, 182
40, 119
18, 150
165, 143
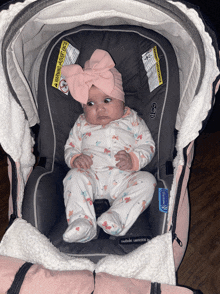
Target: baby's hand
125, 161
83, 161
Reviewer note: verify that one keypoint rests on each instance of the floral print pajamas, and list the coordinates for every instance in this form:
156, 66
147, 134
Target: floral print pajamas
129, 192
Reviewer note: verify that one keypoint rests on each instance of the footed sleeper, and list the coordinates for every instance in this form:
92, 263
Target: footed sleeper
129, 192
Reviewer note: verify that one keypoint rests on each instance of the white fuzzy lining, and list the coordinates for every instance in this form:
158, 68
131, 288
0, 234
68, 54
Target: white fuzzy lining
152, 261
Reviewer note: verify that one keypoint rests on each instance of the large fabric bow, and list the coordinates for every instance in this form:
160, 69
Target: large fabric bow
99, 71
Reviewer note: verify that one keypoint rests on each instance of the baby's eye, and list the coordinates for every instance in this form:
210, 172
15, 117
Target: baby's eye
90, 103
107, 100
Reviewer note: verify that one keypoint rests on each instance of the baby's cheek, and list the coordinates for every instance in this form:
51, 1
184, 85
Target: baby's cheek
90, 115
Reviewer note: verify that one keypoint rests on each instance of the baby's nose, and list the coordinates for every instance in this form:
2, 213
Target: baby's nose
101, 106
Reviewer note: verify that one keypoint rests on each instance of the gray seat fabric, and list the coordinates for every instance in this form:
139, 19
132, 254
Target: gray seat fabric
43, 198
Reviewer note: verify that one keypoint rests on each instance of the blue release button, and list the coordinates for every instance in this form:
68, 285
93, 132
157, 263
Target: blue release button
163, 200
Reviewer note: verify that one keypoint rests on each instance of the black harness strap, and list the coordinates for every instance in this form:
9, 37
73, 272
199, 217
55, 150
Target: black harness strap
19, 278
155, 288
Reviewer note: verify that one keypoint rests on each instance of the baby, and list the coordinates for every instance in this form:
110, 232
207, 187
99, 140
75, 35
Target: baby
106, 148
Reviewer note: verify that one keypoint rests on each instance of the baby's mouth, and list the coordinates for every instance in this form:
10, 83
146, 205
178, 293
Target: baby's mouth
103, 117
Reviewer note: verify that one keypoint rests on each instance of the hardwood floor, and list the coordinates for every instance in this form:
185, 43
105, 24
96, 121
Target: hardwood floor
200, 268
201, 265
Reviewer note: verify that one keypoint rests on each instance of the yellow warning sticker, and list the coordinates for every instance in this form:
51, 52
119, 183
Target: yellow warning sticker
158, 65
151, 63
156, 54
60, 61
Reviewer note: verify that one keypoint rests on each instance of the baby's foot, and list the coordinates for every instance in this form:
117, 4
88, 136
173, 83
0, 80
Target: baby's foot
110, 222
80, 230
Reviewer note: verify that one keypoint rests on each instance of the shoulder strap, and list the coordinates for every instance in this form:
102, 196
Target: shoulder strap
19, 278
155, 288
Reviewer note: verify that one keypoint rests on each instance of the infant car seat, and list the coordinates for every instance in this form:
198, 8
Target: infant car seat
149, 69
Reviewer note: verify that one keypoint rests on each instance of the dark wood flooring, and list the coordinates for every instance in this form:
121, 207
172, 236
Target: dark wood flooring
201, 265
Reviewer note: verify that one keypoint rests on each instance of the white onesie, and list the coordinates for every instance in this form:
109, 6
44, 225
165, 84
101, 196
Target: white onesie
129, 192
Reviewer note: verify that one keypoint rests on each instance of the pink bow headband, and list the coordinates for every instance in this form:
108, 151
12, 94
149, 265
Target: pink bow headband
99, 71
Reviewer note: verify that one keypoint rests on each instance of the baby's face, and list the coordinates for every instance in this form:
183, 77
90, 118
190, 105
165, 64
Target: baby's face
102, 109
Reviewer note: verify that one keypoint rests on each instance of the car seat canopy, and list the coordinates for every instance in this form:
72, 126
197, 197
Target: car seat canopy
44, 20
